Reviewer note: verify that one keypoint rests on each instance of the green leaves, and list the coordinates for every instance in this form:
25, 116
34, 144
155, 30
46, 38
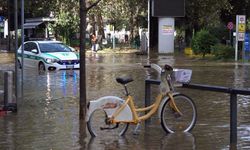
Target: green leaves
202, 42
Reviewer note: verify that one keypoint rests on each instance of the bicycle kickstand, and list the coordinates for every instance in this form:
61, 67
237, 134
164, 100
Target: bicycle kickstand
137, 129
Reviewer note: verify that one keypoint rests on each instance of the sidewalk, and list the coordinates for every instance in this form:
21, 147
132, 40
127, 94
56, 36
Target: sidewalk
6, 57
115, 51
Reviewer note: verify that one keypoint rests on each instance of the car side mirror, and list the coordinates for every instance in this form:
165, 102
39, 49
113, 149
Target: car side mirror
34, 51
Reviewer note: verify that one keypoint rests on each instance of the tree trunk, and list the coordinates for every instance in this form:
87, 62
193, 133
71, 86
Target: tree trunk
100, 25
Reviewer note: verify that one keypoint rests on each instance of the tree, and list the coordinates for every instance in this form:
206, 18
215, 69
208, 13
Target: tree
202, 42
67, 24
203, 13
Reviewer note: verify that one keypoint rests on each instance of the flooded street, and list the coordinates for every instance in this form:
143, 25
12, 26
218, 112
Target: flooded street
48, 119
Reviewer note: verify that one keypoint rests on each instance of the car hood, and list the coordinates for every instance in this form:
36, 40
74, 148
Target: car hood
62, 55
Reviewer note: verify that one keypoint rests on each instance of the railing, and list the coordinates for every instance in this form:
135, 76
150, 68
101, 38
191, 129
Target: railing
233, 101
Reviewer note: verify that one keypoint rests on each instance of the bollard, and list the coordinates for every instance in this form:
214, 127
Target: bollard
148, 83
233, 118
9, 98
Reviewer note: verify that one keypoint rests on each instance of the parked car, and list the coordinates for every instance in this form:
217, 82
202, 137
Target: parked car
48, 56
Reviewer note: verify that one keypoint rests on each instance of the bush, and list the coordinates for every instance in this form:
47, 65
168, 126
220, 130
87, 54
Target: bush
221, 51
202, 42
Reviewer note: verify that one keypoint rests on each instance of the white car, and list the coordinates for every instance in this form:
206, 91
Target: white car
48, 56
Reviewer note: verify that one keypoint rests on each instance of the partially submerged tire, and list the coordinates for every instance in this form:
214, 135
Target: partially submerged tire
98, 121
41, 67
172, 121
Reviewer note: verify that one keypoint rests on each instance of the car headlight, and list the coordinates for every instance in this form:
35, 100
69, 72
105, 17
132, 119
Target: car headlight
51, 60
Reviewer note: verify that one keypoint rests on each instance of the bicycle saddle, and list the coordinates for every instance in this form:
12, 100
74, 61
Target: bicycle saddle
124, 80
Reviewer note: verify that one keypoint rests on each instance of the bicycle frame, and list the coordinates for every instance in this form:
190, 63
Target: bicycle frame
152, 109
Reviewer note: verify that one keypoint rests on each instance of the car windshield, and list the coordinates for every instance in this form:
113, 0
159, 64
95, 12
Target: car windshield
53, 47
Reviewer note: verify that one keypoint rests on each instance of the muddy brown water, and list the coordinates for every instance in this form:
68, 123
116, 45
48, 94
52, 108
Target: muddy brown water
47, 117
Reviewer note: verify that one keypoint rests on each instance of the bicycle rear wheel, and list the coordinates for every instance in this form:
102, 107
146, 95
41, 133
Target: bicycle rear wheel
172, 121
98, 125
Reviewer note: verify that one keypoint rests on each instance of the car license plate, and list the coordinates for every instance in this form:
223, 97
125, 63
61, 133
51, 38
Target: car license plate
70, 67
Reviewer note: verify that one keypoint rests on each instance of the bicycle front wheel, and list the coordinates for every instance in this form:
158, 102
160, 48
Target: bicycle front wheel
98, 125
182, 121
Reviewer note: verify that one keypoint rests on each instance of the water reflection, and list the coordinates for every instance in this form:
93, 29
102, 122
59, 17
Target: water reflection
176, 141
48, 116
180, 141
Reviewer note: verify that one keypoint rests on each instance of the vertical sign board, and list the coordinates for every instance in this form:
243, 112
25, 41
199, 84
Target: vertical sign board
240, 32
166, 35
246, 46
1, 18
1, 21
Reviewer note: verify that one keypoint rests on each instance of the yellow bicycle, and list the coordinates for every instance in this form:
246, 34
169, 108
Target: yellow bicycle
176, 111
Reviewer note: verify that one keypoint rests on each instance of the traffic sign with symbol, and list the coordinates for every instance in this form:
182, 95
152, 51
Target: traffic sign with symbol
242, 27
230, 25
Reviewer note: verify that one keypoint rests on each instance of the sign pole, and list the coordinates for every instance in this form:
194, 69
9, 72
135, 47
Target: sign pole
236, 41
240, 33
148, 42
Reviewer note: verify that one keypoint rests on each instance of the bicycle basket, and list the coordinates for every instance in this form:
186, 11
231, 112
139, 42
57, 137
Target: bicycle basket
182, 75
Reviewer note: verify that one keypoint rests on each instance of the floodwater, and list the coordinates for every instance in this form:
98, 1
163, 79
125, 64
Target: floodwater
48, 118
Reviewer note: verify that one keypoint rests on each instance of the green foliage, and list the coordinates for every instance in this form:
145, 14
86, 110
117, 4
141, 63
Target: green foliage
221, 51
220, 31
202, 42
67, 24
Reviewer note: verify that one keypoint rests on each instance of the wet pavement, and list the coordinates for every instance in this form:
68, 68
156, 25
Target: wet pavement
47, 117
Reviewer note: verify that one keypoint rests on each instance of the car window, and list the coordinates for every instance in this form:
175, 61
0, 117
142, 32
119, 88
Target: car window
27, 47
53, 47
33, 46
30, 46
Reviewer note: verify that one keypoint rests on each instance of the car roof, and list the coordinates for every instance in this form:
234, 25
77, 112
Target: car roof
45, 41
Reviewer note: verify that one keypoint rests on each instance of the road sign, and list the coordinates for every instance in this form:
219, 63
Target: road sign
241, 27
241, 36
230, 25
242, 18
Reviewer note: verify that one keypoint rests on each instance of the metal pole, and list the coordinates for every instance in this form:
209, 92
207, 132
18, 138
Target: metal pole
8, 3
16, 47
149, 14
236, 40
147, 97
22, 39
233, 118
114, 37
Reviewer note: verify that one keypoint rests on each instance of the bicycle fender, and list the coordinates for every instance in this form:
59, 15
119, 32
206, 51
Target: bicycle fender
163, 102
110, 104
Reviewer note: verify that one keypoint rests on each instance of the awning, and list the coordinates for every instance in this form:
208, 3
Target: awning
31, 25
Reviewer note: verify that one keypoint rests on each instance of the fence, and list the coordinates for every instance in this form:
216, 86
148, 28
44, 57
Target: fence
233, 101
